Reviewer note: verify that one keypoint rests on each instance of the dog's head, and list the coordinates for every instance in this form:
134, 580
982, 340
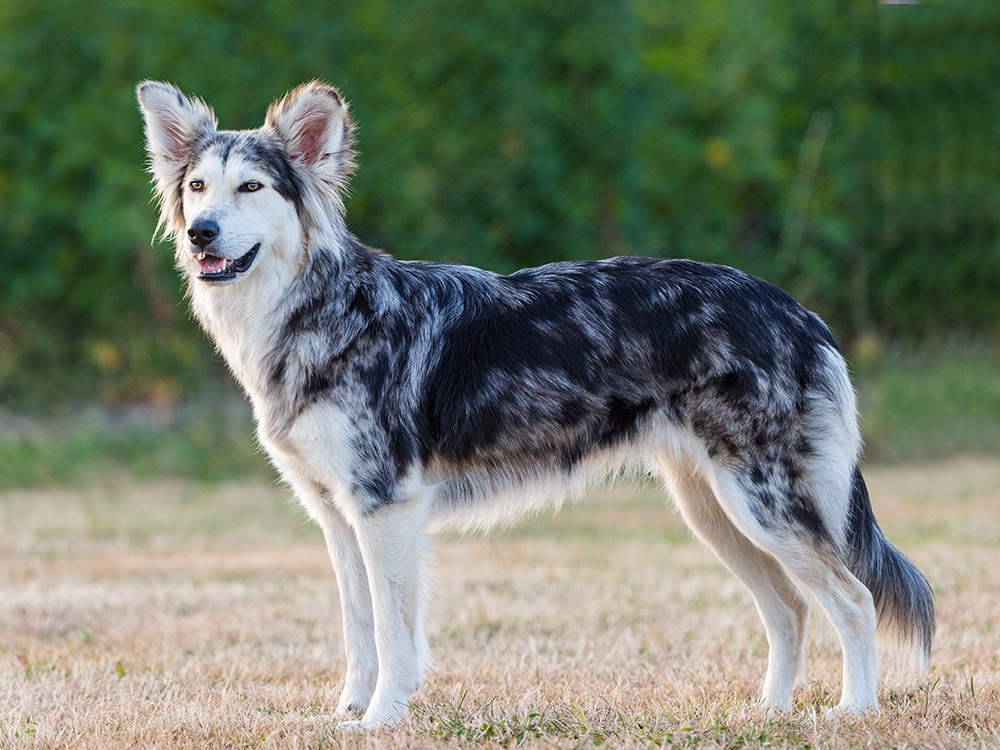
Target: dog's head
238, 201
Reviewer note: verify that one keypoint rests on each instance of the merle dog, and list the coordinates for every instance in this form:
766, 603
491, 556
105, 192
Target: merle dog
395, 397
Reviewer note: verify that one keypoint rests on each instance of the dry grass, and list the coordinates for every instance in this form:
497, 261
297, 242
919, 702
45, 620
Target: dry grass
180, 615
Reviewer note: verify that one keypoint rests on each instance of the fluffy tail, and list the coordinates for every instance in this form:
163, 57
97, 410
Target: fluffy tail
904, 603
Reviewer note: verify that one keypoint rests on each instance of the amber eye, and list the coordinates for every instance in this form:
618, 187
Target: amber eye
251, 186
196, 185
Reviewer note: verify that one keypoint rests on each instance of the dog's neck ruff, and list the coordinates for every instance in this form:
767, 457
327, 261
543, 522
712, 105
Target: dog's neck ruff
248, 318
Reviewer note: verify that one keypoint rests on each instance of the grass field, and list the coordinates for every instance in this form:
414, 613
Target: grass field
178, 614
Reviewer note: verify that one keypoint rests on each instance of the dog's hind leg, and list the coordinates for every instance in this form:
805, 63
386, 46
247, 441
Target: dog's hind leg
782, 607
795, 530
391, 541
356, 607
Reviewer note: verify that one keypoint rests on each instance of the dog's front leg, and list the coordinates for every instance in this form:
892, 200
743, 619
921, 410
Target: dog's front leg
391, 538
356, 607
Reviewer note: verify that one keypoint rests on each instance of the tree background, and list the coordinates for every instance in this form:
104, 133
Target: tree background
847, 151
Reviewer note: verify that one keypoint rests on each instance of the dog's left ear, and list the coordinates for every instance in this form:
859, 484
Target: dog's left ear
313, 122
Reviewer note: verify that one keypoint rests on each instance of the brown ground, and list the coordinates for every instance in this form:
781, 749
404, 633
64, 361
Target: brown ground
181, 615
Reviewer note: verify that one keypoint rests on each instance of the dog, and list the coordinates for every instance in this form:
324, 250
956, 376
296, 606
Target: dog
396, 398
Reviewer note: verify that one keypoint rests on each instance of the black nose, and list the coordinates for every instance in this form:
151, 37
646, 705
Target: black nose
203, 231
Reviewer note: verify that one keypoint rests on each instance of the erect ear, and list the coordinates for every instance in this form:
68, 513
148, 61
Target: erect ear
313, 122
173, 122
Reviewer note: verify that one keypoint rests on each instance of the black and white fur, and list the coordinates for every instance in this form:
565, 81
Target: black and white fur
397, 397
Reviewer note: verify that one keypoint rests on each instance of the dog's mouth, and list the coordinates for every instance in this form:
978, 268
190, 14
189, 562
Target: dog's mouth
214, 268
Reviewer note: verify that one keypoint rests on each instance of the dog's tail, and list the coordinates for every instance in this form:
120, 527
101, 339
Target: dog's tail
904, 602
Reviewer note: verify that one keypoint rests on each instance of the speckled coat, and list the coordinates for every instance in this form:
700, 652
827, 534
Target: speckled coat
396, 397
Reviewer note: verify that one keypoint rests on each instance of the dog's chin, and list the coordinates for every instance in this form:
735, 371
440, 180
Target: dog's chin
214, 269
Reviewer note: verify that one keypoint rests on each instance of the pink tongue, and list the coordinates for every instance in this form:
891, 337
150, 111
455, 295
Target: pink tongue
211, 264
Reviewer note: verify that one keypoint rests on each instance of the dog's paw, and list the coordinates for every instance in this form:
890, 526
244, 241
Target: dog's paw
775, 704
843, 710
349, 710
386, 712
369, 723
355, 697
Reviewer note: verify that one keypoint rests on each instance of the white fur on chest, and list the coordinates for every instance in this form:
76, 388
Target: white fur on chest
242, 324
315, 454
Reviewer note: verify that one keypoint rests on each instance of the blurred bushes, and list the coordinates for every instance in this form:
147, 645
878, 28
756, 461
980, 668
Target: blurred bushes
847, 151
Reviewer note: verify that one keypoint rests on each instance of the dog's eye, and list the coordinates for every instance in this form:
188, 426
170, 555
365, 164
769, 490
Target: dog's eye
251, 186
196, 185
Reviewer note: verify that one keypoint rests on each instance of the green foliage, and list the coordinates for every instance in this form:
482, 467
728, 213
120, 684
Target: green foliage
203, 441
847, 151
925, 403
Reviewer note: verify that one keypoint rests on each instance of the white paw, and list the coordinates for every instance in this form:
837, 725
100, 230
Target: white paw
386, 711
355, 696
850, 709
346, 710
353, 703
365, 724
782, 704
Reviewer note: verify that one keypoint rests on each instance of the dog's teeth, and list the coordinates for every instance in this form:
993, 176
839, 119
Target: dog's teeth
201, 256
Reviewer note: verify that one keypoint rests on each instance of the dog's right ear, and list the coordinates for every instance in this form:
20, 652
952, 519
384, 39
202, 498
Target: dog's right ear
173, 123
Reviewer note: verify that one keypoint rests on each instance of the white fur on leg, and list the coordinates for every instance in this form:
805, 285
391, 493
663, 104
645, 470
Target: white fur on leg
843, 597
855, 621
783, 609
352, 585
785, 612
786, 633
391, 539
356, 607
